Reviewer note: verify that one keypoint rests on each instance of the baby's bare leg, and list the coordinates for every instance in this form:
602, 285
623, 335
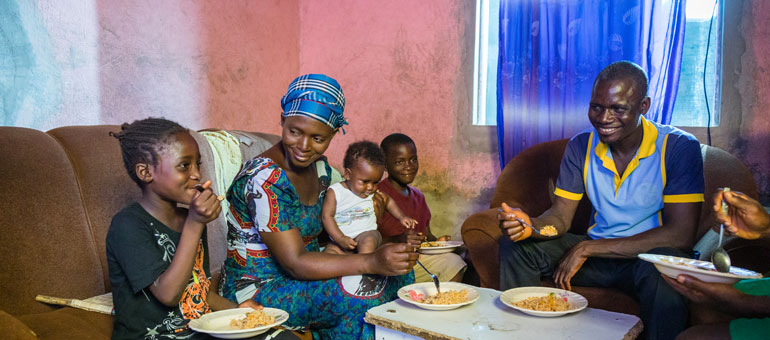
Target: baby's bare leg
368, 241
333, 248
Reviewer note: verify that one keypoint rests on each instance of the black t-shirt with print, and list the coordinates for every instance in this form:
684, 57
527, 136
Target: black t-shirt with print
139, 249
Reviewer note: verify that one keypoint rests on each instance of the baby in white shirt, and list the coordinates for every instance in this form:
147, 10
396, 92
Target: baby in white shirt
348, 210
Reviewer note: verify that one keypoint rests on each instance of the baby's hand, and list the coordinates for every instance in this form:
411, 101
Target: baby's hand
408, 222
347, 243
444, 238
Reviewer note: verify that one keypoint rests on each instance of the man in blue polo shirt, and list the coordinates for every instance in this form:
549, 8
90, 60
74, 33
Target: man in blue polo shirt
645, 182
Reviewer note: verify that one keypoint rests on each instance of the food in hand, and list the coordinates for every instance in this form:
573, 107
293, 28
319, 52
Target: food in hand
548, 230
252, 319
548, 303
449, 297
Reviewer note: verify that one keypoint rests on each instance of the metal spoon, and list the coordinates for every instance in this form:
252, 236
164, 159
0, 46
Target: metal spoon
719, 258
432, 276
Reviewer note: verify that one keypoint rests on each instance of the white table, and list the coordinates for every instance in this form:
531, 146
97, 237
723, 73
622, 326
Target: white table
490, 319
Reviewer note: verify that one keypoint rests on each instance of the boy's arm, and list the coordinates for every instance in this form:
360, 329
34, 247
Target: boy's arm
327, 216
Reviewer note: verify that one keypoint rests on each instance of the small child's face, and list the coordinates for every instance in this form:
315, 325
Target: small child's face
178, 169
401, 162
363, 178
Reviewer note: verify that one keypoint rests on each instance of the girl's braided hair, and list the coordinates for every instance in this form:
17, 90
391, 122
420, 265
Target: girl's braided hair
141, 141
367, 150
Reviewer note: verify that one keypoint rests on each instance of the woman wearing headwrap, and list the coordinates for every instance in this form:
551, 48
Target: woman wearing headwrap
274, 220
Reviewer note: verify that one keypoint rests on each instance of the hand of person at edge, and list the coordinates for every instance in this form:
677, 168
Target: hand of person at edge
393, 259
569, 265
704, 292
510, 226
746, 217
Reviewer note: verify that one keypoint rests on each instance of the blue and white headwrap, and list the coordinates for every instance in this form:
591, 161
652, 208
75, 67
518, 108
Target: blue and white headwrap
316, 96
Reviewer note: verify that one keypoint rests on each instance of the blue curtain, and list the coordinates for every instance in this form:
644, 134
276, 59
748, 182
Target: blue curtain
551, 51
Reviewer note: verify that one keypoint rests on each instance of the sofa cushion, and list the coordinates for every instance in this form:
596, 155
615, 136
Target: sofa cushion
105, 186
47, 245
13, 328
69, 323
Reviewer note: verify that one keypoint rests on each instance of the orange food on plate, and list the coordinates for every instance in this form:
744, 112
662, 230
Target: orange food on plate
252, 319
548, 230
548, 303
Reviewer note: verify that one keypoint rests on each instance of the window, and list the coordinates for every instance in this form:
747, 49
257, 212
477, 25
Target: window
702, 40
694, 106
485, 66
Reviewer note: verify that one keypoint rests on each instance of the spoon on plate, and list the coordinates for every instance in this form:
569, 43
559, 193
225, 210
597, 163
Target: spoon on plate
720, 258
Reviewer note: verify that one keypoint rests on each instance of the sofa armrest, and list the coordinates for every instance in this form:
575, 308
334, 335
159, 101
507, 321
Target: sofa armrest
480, 233
13, 328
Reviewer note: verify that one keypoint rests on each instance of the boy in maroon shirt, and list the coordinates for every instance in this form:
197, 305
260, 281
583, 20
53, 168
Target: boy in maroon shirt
402, 165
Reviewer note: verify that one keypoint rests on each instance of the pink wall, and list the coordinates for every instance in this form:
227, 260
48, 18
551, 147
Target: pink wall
407, 66
205, 64
752, 144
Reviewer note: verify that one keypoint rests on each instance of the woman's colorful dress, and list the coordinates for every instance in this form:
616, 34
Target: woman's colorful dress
262, 200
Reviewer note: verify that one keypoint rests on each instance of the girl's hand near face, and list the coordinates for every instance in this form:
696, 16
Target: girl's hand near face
205, 206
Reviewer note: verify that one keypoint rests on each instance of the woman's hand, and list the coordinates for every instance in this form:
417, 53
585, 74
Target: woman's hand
746, 217
205, 206
393, 259
511, 227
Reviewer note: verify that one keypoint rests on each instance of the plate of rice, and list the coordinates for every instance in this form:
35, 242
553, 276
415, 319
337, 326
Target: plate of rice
672, 266
543, 301
439, 247
453, 295
239, 323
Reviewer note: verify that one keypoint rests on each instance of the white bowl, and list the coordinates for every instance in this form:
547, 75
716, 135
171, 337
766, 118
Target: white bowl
576, 301
672, 266
217, 324
428, 288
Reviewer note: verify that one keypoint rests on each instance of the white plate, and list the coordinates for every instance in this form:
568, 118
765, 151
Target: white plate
217, 324
428, 288
576, 301
672, 266
443, 247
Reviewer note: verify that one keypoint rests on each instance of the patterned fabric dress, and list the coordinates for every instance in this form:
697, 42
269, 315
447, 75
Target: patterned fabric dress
263, 200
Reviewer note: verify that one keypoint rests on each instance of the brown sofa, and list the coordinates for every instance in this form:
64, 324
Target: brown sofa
527, 182
60, 190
